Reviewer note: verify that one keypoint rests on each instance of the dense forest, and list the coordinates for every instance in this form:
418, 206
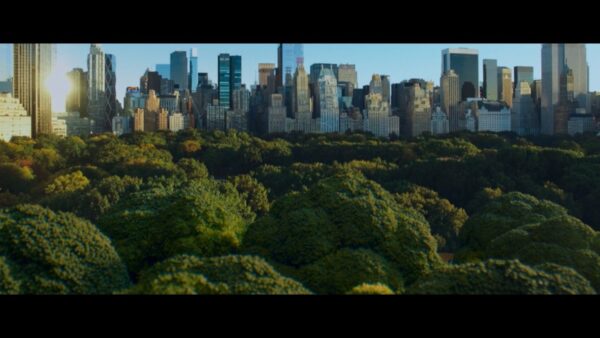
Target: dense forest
229, 213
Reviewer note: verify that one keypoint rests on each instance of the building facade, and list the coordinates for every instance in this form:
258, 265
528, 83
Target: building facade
14, 119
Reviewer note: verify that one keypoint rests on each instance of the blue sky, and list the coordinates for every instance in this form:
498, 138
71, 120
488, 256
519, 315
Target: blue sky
400, 61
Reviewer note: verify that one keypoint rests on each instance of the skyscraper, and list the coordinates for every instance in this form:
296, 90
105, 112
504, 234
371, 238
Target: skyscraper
490, 79
276, 114
193, 77
523, 73
450, 99
329, 112
419, 111
524, 118
465, 62
77, 97
289, 55
96, 64
111, 90
264, 71
347, 73
505, 86
164, 70
224, 79
235, 75
386, 88
179, 71
32, 67
556, 59
315, 71
301, 95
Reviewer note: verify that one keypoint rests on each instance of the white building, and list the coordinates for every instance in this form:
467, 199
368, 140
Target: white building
75, 124
493, 116
471, 121
14, 120
580, 122
59, 127
439, 122
121, 125
176, 122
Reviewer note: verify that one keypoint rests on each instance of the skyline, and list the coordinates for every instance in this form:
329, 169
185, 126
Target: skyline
399, 61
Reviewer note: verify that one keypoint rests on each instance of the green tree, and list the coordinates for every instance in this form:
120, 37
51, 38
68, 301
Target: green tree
14, 178
42, 252
339, 272
231, 274
445, 219
371, 289
502, 277
67, 183
203, 217
253, 191
344, 211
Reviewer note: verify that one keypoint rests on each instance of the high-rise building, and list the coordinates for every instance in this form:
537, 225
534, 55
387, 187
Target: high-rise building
347, 73
235, 75
150, 81
203, 79
32, 68
216, 117
376, 85
439, 122
111, 90
524, 118
490, 79
164, 70
465, 62
276, 115
224, 79
327, 101
264, 71
97, 98
162, 119
419, 111
237, 116
176, 122
377, 114
505, 86
315, 71
14, 119
77, 98
179, 69
450, 98
556, 59
522, 73
301, 101
138, 120
121, 125
289, 55
151, 111
193, 77
386, 88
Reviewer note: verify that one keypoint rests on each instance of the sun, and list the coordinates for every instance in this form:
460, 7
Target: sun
59, 86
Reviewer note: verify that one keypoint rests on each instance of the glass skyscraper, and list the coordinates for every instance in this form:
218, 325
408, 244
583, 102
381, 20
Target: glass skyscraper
224, 79
164, 70
193, 76
179, 71
490, 79
465, 63
523, 73
235, 73
288, 57
556, 59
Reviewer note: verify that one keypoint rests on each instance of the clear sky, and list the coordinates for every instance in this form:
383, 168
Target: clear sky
400, 61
